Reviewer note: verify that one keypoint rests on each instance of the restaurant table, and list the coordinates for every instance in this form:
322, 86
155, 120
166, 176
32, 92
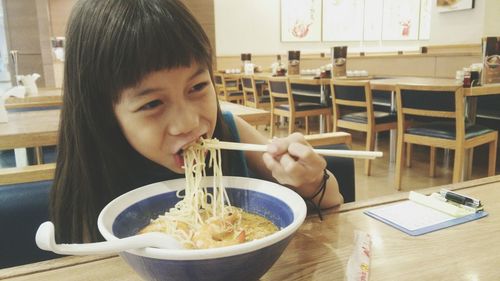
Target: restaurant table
320, 250
35, 128
254, 116
46, 97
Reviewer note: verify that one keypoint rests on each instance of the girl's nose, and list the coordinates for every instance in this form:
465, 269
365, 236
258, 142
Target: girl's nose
183, 121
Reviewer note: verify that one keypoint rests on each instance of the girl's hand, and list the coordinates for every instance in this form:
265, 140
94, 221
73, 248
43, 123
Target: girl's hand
293, 162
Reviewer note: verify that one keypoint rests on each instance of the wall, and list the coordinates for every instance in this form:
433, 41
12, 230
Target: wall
33, 22
458, 27
26, 23
254, 26
492, 18
59, 14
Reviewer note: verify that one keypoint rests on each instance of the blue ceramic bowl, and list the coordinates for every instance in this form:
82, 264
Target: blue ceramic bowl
130, 212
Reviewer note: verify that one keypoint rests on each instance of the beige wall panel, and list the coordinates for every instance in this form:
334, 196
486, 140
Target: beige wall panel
45, 43
23, 26
414, 66
59, 14
447, 66
411, 65
31, 64
203, 11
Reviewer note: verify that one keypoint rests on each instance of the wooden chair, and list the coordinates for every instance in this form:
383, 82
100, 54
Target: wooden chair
228, 88
357, 95
283, 104
444, 102
252, 97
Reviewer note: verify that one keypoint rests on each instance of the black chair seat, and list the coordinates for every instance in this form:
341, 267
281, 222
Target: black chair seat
447, 130
361, 117
262, 99
235, 94
302, 106
488, 113
231, 84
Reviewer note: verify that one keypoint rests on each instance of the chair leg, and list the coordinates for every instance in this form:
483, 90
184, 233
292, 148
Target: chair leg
291, 124
409, 147
38, 155
370, 145
432, 167
307, 125
399, 161
271, 131
458, 164
492, 157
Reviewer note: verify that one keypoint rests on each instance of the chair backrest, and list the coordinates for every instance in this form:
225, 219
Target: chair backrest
431, 101
219, 83
23, 207
249, 91
357, 94
225, 85
280, 92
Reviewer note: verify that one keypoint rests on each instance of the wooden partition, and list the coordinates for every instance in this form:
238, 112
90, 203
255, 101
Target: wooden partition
439, 61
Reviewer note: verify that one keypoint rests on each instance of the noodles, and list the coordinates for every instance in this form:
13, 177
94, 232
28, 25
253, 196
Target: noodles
205, 219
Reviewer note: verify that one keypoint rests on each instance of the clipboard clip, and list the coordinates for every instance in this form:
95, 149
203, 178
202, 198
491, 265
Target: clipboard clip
459, 200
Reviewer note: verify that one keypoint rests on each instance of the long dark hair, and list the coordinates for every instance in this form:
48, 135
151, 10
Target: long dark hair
112, 45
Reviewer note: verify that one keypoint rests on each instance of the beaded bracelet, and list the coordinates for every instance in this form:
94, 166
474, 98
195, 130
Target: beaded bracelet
321, 190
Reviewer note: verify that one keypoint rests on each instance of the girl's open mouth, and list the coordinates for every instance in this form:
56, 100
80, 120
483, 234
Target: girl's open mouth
179, 155
179, 158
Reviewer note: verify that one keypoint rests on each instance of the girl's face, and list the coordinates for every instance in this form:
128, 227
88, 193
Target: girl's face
166, 111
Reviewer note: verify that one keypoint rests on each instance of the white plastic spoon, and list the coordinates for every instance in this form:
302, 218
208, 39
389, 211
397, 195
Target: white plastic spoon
45, 240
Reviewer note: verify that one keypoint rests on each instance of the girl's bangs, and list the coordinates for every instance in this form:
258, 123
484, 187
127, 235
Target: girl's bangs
161, 40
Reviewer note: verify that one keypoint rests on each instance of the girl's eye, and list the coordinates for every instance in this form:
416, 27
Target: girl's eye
198, 87
150, 105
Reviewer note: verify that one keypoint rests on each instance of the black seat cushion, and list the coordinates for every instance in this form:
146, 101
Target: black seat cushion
302, 106
23, 207
234, 94
361, 117
262, 99
343, 170
446, 130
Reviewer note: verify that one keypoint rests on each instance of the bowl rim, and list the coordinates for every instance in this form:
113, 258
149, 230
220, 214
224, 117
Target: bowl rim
296, 203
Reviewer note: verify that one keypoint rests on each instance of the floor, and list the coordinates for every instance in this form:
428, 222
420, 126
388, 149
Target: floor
381, 181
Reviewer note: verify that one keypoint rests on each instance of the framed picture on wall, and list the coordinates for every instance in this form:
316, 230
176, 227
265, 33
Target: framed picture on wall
300, 20
337, 27
400, 20
444, 6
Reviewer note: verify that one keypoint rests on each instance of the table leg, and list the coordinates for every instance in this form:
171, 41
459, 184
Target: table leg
470, 115
323, 100
393, 133
38, 155
21, 157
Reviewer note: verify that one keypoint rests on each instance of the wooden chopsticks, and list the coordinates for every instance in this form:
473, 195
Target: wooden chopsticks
358, 154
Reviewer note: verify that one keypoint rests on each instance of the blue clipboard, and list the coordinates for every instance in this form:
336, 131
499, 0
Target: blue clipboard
430, 228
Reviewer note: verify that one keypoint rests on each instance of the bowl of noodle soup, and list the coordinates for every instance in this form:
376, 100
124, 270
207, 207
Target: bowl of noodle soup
128, 214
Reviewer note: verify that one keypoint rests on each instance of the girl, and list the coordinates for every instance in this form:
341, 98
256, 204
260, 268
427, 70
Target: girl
137, 90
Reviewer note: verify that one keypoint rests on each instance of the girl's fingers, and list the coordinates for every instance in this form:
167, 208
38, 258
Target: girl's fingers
280, 145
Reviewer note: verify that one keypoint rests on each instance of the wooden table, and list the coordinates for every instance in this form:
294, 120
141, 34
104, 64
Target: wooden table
320, 250
46, 97
40, 127
34, 128
254, 116
29, 128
